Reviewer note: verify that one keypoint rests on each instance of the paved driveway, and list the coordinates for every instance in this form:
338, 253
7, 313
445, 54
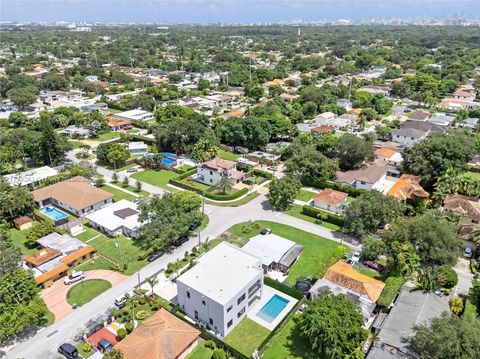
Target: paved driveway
465, 276
56, 296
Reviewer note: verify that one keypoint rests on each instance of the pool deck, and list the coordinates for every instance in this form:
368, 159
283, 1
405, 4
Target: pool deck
55, 210
268, 293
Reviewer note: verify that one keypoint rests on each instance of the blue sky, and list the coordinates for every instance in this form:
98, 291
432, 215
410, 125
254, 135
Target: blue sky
208, 11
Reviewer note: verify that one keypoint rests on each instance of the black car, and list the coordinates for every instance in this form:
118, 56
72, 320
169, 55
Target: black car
194, 225
247, 182
154, 255
265, 231
179, 241
68, 350
104, 345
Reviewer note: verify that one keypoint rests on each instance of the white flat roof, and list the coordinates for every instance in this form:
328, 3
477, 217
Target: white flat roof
222, 272
135, 114
27, 177
137, 145
106, 218
269, 248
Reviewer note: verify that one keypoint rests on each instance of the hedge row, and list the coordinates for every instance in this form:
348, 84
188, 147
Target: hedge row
329, 217
261, 173
392, 287
148, 140
226, 197
292, 292
352, 191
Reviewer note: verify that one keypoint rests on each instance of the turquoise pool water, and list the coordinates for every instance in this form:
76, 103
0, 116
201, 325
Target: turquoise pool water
54, 213
273, 308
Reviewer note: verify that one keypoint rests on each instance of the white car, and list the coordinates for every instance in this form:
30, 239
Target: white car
74, 277
356, 256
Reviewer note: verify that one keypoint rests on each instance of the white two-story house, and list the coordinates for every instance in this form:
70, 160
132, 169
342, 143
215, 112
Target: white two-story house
221, 288
211, 172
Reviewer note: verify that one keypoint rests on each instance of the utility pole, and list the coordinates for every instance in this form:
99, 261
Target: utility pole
250, 69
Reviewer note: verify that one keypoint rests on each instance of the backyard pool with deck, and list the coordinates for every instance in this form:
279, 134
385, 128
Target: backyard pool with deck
273, 308
54, 213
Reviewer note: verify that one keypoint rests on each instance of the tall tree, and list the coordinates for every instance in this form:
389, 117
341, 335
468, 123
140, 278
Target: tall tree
333, 326
309, 165
15, 201
52, 151
352, 151
224, 186
282, 192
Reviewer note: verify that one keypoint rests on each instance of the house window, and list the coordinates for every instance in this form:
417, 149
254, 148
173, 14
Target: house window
362, 182
211, 173
474, 221
203, 302
229, 308
229, 324
188, 294
240, 313
211, 181
210, 320
196, 315
241, 299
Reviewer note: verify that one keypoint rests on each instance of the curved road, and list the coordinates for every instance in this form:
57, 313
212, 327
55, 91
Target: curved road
45, 342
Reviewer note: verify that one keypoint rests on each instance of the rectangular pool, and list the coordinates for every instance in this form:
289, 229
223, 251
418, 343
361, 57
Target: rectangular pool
273, 308
54, 213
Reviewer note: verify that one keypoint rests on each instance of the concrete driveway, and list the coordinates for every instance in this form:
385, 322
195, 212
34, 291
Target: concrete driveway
465, 276
56, 296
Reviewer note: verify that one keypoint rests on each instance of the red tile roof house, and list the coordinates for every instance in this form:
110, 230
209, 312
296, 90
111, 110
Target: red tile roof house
331, 200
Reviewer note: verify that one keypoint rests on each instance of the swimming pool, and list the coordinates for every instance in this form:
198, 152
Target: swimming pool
54, 213
169, 155
168, 162
273, 308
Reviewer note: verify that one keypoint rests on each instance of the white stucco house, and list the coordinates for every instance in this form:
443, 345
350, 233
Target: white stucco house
369, 177
211, 172
137, 148
220, 289
117, 218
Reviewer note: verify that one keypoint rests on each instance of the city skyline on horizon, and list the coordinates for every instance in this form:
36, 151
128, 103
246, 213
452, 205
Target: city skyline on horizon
228, 11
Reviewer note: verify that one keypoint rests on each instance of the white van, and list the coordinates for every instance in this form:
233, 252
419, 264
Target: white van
74, 277
122, 300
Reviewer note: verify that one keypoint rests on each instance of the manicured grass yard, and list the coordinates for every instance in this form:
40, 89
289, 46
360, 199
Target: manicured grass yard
200, 352
107, 136
156, 178
87, 234
238, 203
296, 211
118, 194
75, 144
18, 239
289, 344
86, 290
318, 254
228, 155
371, 273
246, 336
305, 195
472, 175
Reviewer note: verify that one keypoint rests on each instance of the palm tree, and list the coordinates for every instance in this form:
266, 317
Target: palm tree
224, 185
475, 234
152, 281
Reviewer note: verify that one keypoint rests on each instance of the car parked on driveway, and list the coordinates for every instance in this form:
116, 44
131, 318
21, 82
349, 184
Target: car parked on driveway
133, 169
194, 225
104, 345
266, 231
247, 182
74, 277
68, 351
179, 241
467, 252
356, 256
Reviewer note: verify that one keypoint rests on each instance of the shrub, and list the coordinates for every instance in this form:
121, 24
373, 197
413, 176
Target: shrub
392, 286
250, 226
121, 333
210, 344
261, 173
142, 301
373, 248
219, 354
86, 347
283, 288
450, 275
456, 305
141, 314
129, 327
327, 217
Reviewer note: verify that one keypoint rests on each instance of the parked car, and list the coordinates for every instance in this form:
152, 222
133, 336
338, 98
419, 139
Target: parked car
467, 252
194, 225
373, 265
351, 262
356, 256
154, 255
68, 351
121, 301
179, 241
272, 168
247, 182
133, 169
74, 277
104, 345
266, 231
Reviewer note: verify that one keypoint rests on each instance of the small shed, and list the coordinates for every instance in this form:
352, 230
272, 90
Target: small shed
74, 227
22, 223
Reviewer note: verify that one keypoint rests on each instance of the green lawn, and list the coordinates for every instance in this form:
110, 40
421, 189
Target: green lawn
156, 178
107, 136
305, 195
371, 273
75, 144
289, 344
296, 211
200, 352
238, 203
318, 254
472, 175
185, 168
18, 239
86, 290
133, 189
87, 234
113, 111
83, 353
246, 336
97, 263
118, 194
228, 155
49, 319
127, 251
